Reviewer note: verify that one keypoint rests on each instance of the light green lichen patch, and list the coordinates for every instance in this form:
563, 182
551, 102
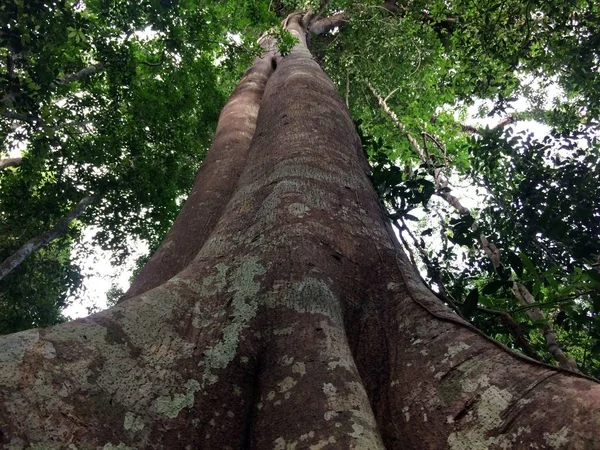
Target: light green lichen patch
286, 384
42, 446
311, 295
323, 443
470, 384
557, 440
281, 444
210, 285
352, 398
171, 405
477, 425
286, 360
14, 347
215, 284
299, 368
455, 348
48, 350
245, 305
465, 379
133, 422
283, 331
120, 446
335, 349
298, 209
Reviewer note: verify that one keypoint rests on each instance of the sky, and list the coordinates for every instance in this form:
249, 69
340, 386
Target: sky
100, 274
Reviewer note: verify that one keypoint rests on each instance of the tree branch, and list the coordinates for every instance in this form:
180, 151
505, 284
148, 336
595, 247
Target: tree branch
61, 227
535, 314
519, 290
411, 140
512, 118
10, 162
87, 71
514, 329
326, 24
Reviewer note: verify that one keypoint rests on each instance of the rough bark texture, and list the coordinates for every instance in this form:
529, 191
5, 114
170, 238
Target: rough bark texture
299, 324
34, 244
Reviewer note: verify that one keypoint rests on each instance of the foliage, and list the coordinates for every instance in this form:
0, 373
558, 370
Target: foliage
34, 294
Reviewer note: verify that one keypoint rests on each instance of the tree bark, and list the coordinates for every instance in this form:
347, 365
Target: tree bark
34, 244
76, 76
299, 324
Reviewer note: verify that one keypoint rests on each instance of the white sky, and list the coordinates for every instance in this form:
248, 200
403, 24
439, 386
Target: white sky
100, 274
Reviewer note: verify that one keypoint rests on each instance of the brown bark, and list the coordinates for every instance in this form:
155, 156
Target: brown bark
34, 244
326, 24
299, 324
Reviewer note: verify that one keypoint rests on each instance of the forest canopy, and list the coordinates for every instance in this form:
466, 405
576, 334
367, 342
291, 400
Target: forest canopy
107, 109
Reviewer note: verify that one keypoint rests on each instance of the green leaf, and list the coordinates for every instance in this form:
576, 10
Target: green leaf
528, 264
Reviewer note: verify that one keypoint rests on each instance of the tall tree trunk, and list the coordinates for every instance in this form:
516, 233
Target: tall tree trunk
34, 244
299, 324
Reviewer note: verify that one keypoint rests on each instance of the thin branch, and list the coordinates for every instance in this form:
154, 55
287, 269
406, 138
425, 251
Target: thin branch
524, 297
58, 230
89, 70
390, 94
411, 140
16, 116
162, 60
514, 329
347, 89
512, 118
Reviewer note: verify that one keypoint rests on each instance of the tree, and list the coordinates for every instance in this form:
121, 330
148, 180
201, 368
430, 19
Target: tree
299, 322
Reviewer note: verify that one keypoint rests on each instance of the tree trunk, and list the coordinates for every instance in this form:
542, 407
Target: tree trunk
298, 324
